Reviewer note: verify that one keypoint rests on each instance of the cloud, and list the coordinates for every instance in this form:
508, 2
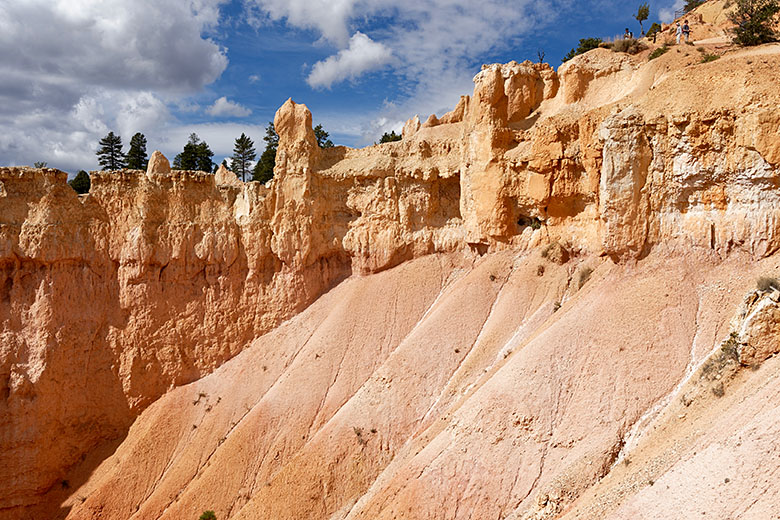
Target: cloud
431, 47
254, 78
109, 65
666, 15
362, 55
224, 108
329, 17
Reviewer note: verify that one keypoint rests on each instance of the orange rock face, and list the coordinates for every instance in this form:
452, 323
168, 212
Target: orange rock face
461, 359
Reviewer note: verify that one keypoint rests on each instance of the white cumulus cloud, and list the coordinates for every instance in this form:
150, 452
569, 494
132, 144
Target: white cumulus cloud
329, 17
361, 56
97, 65
226, 108
666, 15
432, 46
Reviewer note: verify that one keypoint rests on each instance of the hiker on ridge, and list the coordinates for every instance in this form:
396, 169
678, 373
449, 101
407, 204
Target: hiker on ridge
686, 29
678, 33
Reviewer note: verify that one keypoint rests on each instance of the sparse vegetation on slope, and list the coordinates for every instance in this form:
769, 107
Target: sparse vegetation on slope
628, 45
660, 51
585, 45
754, 20
768, 283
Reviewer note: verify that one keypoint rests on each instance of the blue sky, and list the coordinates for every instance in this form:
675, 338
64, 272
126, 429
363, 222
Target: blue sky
75, 69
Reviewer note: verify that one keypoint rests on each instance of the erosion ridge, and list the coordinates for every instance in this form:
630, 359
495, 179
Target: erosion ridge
156, 279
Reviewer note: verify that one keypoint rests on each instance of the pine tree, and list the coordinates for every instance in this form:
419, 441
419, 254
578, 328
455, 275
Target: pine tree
642, 14
754, 20
136, 156
204, 155
243, 154
110, 154
322, 137
187, 159
195, 156
264, 169
80, 182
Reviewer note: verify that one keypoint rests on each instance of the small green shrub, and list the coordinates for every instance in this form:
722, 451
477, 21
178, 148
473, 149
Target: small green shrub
706, 58
660, 51
628, 45
208, 515
727, 355
359, 434
584, 276
730, 347
532, 222
768, 283
586, 44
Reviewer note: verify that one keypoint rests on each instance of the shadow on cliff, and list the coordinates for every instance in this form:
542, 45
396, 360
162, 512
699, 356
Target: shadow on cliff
58, 501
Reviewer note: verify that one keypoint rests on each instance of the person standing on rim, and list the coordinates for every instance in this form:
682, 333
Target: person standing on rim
678, 33
686, 29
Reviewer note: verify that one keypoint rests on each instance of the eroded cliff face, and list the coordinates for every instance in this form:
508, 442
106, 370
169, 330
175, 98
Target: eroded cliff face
153, 280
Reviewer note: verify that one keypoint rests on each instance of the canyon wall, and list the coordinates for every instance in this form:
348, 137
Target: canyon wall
154, 279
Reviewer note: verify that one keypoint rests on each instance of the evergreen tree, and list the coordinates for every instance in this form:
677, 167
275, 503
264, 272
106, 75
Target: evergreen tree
655, 28
195, 156
110, 154
264, 169
243, 154
754, 20
204, 155
136, 156
80, 182
389, 138
187, 160
322, 137
642, 14
40, 164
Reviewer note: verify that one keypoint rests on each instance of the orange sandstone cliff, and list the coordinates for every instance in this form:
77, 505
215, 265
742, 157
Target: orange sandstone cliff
535, 306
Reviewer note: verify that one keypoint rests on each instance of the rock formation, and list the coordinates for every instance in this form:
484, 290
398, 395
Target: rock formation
463, 329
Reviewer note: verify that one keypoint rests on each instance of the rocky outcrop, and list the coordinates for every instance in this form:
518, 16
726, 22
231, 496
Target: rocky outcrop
155, 279
158, 164
758, 334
